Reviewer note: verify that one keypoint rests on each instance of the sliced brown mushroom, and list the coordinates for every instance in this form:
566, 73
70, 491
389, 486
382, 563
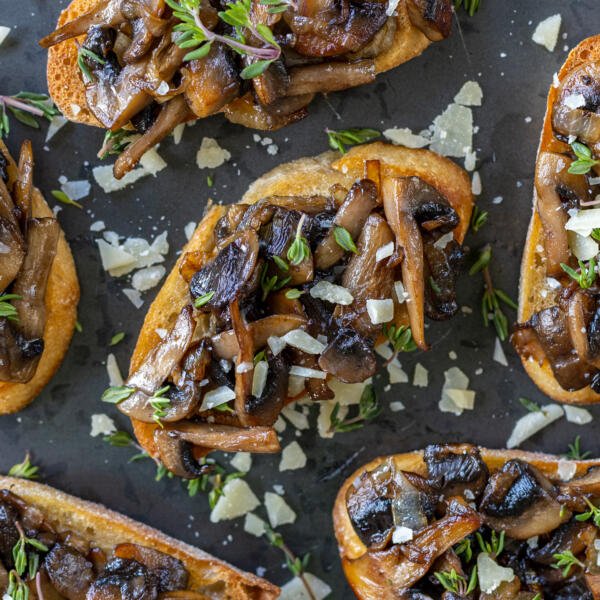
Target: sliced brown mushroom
583, 320
432, 17
572, 537
124, 578
330, 77
12, 243
349, 357
24, 184
69, 571
179, 456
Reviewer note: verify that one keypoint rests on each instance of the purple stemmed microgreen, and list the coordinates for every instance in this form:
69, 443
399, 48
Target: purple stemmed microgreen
25, 106
195, 36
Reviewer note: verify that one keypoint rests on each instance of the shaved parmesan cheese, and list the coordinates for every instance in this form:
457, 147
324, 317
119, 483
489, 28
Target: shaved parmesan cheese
295, 589
391, 7
296, 386
299, 371
298, 338
237, 500
297, 419
324, 418
402, 534
102, 425
347, 393
463, 399
76, 190
56, 123
476, 187
259, 379
189, 230
278, 511
211, 155
254, 525
533, 422
242, 462
401, 293
134, 297
97, 226
566, 469
276, 344
396, 372
380, 311
178, 133
216, 397
152, 162
574, 101
470, 94
112, 368
470, 160
114, 257
453, 131
491, 574
421, 376
397, 406
146, 279
546, 32
499, 355
244, 367
582, 247
105, 179
4, 31
292, 457
455, 395
330, 292
405, 137
444, 240
577, 415
384, 251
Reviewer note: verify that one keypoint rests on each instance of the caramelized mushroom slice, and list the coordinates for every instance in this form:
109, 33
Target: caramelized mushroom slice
349, 357
557, 191
264, 409
24, 183
330, 77
519, 500
124, 578
583, 323
572, 537
12, 244
432, 17
179, 456
352, 216
69, 571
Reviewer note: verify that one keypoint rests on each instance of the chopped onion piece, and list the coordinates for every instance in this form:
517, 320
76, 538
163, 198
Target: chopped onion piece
380, 311
330, 292
298, 338
259, 379
298, 371
216, 397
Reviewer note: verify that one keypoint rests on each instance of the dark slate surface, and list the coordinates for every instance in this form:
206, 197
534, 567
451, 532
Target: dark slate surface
514, 73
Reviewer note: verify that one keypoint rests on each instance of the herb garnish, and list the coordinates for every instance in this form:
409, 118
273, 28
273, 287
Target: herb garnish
271, 284
464, 547
575, 452
204, 299
299, 250
293, 294
584, 162
368, 409
196, 37
470, 6
593, 513
587, 273
530, 405
492, 297
115, 142
25, 106
344, 239
116, 394
338, 140
118, 337
160, 404
451, 581
82, 54
401, 339
478, 218
494, 546
64, 198
565, 561
7, 310
279, 6
281, 264
24, 470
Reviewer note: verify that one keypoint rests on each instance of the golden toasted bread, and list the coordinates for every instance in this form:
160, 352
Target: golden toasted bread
305, 177
62, 297
534, 292
351, 547
105, 529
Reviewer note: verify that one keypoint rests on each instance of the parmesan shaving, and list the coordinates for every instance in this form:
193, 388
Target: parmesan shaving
102, 425
4, 31
533, 422
470, 94
242, 461
295, 589
298, 338
546, 32
292, 457
278, 510
211, 155
254, 525
499, 355
577, 415
330, 292
236, 500
491, 574
405, 137
259, 378
380, 311
299, 371
114, 374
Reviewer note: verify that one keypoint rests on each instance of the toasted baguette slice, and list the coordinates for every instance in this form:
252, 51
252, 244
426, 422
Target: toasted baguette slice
351, 546
534, 292
62, 297
302, 177
106, 529
68, 92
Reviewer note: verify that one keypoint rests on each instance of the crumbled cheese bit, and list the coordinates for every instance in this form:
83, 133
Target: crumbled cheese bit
470, 160
384, 252
444, 240
259, 378
453, 131
401, 293
105, 179
295, 589
499, 355
392, 5
476, 186
396, 372
278, 510
405, 137
145, 279
491, 574
574, 101
236, 500
421, 376
152, 162
299, 371
244, 367
397, 406
276, 344
330, 292
380, 311
56, 124
296, 385
546, 32
97, 226
114, 373
470, 94
292, 457
298, 419
254, 525
402, 534
533, 542
4, 31
134, 297
566, 469
242, 462
102, 425
577, 415
216, 397
114, 257
178, 133
211, 155
463, 399
189, 230
584, 248
456, 397
533, 422
298, 338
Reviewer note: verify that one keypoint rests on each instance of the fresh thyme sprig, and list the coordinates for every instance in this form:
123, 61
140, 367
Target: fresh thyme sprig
566, 561
451, 581
196, 37
115, 142
160, 404
593, 513
7, 310
17, 588
478, 218
464, 547
575, 452
368, 409
24, 470
338, 140
272, 283
83, 55
117, 338
296, 565
299, 250
204, 299
22, 559
401, 339
116, 394
492, 297
279, 6
494, 546
344, 239
25, 107
586, 275
584, 162
470, 6
530, 405
65, 199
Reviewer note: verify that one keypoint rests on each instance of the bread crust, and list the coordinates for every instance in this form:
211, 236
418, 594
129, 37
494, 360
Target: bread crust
533, 273
351, 547
68, 92
106, 528
62, 297
305, 176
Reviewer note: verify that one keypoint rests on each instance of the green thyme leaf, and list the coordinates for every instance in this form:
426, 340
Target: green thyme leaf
338, 140
204, 299
530, 405
566, 561
24, 470
344, 239
62, 197
118, 337
7, 310
116, 394
574, 452
584, 162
